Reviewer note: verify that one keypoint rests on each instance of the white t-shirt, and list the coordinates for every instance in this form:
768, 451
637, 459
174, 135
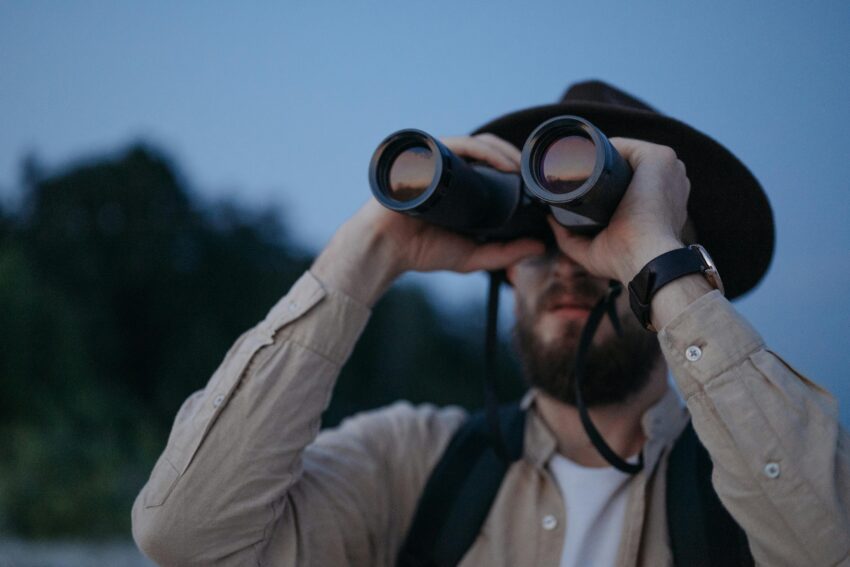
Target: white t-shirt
595, 501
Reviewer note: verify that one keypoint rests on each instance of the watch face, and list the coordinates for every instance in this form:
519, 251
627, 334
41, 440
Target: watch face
711, 273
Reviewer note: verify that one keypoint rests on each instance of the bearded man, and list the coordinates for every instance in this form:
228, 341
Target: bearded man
246, 477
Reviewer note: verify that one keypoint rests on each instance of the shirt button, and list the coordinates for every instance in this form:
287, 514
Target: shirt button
217, 401
550, 522
293, 305
771, 470
693, 353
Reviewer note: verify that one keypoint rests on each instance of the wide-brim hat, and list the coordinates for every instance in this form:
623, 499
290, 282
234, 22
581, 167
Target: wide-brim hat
727, 205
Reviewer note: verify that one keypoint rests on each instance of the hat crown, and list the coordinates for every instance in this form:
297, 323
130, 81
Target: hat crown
600, 92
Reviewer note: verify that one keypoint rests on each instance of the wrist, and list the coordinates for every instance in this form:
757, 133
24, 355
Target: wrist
675, 297
670, 282
360, 263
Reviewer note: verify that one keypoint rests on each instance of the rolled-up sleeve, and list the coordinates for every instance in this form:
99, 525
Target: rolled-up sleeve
781, 458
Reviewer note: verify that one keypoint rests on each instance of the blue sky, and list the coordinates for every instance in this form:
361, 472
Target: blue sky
281, 104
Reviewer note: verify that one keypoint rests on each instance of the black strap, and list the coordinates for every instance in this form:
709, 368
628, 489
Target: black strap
658, 273
491, 335
702, 532
604, 306
461, 490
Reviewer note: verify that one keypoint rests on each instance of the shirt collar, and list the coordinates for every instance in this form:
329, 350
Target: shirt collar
539, 440
662, 423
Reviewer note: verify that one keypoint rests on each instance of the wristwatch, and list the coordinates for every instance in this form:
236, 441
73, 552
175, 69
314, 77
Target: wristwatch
663, 270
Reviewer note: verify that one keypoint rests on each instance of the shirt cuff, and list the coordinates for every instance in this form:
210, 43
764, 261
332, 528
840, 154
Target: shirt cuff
329, 321
705, 340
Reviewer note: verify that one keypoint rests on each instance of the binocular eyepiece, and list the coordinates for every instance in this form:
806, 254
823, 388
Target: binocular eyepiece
568, 166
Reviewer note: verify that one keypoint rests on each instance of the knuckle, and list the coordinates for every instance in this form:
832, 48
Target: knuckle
666, 154
485, 141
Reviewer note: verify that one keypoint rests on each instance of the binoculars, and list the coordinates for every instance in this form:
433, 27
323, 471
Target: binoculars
568, 169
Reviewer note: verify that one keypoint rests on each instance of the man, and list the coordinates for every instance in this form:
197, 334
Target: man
246, 478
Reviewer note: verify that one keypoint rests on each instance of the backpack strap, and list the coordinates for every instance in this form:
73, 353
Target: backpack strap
461, 490
464, 484
702, 532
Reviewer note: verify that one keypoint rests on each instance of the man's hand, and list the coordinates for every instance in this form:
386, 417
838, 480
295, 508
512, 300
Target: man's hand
377, 245
648, 221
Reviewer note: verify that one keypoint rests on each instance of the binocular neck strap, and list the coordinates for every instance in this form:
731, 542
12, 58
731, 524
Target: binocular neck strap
491, 402
605, 306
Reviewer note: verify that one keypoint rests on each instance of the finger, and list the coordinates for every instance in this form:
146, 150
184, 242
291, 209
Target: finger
503, 152
506, 148
499, 255
636, 151
479, 150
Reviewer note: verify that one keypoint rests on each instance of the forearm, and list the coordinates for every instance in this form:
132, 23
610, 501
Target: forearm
781, 462
675, 297
360, 261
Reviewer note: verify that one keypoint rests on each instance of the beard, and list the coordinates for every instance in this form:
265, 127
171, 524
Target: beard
615, 368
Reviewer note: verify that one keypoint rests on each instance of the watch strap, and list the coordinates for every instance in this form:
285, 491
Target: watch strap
659, 272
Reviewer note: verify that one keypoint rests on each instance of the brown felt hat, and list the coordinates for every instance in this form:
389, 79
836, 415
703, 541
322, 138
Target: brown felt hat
727, 205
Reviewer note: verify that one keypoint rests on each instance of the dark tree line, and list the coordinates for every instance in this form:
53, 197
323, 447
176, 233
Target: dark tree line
120, 292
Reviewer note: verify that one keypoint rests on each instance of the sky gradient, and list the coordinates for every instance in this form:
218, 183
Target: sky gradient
281, 105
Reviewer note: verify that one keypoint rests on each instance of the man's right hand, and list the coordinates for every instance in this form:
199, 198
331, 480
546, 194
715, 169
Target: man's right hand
377, 245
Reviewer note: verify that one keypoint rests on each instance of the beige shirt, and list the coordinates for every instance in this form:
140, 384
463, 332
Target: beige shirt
247, 479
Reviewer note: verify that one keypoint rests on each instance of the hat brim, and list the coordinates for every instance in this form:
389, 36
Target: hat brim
727, 205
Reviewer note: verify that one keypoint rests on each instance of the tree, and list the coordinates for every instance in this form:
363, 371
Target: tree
122, 291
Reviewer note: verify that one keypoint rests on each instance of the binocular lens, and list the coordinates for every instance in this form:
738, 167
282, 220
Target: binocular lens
411, 173
568, 169
567, 164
